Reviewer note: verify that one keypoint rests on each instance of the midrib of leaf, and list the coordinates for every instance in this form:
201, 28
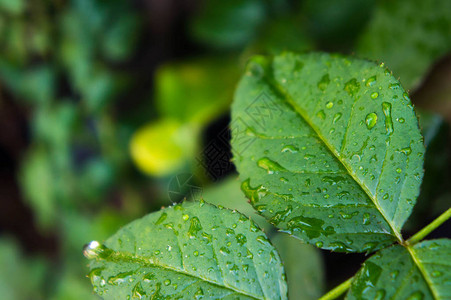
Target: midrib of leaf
117, 257
423, 272
275, 85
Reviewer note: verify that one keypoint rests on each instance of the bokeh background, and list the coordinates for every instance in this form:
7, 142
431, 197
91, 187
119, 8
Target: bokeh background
112, 109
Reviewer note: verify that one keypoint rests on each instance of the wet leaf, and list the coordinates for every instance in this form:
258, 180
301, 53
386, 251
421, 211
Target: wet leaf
328, 149
188, 249
408, 36
416, 272
303, 263
227, 193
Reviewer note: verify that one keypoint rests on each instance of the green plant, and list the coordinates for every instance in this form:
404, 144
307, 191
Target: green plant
329, 150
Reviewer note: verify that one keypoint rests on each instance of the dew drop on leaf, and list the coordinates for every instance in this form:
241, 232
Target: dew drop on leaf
386, 108
418, 295
371, 81
370, 120
337, 117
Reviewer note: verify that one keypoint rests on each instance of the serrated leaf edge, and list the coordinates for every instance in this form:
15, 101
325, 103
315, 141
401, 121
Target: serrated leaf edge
273, 83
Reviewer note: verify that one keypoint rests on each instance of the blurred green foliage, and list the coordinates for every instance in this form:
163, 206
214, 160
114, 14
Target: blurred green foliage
71, 66
408, 35
21, 277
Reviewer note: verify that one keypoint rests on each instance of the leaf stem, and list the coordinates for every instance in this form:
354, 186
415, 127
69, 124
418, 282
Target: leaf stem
337, 291
429, 228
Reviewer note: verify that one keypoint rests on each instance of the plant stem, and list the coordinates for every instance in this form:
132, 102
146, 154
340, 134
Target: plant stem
337, 291
429, 228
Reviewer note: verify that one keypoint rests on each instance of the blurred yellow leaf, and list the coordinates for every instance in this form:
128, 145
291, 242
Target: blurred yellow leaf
163, 147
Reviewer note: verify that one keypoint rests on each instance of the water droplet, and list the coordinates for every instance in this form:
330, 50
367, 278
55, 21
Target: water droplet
309, 156
370, 120
374, 95
224, 251
196, 253
96, 250
161, 219
329, 105
352, 87
283, 179
406, 96
366, 219
311, 226
371, 81
255, 67
380, 294
290, 148
269, 165
319, 244
338, 246
148, 277
199, 294
386, 108
167, 282
401, 120
436, 274
321, 114
194, 227
398, 170
337, 117
418, 295
241, 239
324, 82
185, 217
280, 216
394, 86
406, 150
369, 247
120, 278
263, 240
138, 291
394, 275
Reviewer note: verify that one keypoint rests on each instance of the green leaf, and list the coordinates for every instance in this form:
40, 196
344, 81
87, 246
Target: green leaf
303, 263
227, 193
188, 249
408, 35
418, 272
328, 149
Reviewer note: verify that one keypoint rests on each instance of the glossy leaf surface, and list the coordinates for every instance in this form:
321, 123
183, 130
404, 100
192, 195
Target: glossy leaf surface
188, 249
420, 272
303, 263
328, 149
